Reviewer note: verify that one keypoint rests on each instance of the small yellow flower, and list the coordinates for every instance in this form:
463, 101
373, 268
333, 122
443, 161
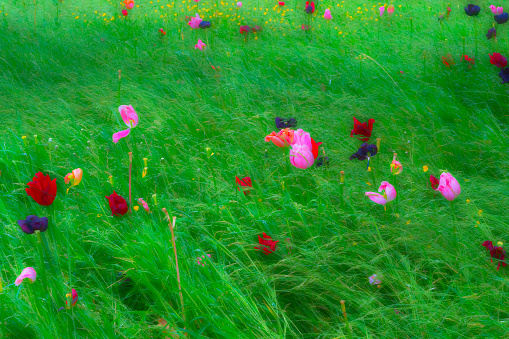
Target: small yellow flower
99, 215
408, 222
500, 243
369, 169
468, 200
425, 168
480, 213
136, 208
368, 184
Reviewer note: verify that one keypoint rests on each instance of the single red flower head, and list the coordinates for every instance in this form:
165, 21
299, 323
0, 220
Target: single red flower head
162, 31
314, 147
281, 3
498, 60
124, 12
468, 59
42, 189
268, 245
118, 205
363, 129
310, 7
448, 60
246, 182
244, 29
434, 182
495, 252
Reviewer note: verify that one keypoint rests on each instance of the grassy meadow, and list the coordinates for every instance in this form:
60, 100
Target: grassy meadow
203, 118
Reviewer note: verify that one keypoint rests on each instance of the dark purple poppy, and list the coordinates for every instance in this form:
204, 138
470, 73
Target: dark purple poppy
495, 252
472, 10
33, 223
504, 74
204, 24
492, 33
283, 123
364, 152
502, 18
320, 161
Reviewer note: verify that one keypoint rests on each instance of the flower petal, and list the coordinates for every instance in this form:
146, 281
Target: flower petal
122, 134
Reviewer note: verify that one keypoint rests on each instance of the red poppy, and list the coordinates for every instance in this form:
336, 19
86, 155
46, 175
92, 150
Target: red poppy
244, 29
268, 245
448, 61
118, 205
125, 12
281, 3
498, 60
310, 7
495, 252
42, 189
363, 129
469, 60
246, 182
162, 31
434, 182
314, 147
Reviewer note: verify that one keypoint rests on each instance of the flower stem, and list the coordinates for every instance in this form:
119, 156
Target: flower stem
347, 325
453, 216
40, 249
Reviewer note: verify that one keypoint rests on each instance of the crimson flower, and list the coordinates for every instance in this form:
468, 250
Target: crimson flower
245, 182
469, 60
448, 60
314, 147
125, 12
42, 189
434, 182
310, 7
244, 29
495, 252
118, 205
268, 245
363, 129
498, 60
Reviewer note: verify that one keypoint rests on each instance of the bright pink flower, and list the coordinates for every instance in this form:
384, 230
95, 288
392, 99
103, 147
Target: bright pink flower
125, 12
301, 156
498, 60
389, 194
130, 119
281, 3
239, 4
302, 137
195, 21
496, 10
144, 204
162, 31
390, 9
74, 296
282, 138
245, 182
129, 4
449, 186
382, 10
29, 273
200, 45
268, 245
327, 14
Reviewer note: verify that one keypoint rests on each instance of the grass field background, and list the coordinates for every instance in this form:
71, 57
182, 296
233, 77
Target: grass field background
59, 79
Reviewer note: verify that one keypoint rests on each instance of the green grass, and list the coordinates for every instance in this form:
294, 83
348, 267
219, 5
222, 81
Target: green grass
60, 81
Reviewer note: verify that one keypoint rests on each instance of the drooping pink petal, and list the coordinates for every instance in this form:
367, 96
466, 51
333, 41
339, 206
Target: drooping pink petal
119, 135
128, 115
376, 197
29, 273
390, 191
145, 205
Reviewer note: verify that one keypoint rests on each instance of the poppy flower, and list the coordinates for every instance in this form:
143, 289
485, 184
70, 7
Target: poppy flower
504, 74
200, 45
492, 33
74, 177
256, 29
281, 3
282, 138
314, 147
310, 7
320, 161
472, 10
74, 296
382, 10
448, 12
42, 189
364, 129
469, 60
389, 194
29, 273
244, 182
448, 61
195, 21
268, 245
449, 186
305, 27
390, 9
364, 152
282, 123
125, 12
33, 223
301, 154
434, 182
129, 4
204, 24
502, 18
244, 29
162, 31
118, 205
327, 15
496, 10
495, 252
498, 60
396, 167
144, 204
130, 119
239, 4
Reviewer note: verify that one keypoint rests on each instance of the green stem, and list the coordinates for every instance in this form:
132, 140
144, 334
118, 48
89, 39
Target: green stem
453, 216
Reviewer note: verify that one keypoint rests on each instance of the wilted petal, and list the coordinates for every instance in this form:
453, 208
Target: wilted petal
29, 273
376, 197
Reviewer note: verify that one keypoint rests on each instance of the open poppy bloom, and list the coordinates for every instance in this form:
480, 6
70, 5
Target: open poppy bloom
200, 45
118, 205
162, 31
195, 21
366, 151
498, 60
496, 10
495, 252
327, 15
389, 194
125, 12
448, 61
363, 129
492, 33
396, 167
244, 182
434, 182
390, 9
244, 29
29, 273
268, 245
281, 3
310, 7
314, 147
74, 177
129, 4
42, 189
472, 10
502, 18
449, 186
33, 223
469, 60
282, 123
282, 138
130, 119
504, 74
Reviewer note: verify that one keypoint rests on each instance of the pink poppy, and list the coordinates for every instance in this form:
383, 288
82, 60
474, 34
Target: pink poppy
301, 156
389, 194
144, 204
449, 186
496, 10
382, 10
29, 273
200, 45
130, 119
195, 21
327, 14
